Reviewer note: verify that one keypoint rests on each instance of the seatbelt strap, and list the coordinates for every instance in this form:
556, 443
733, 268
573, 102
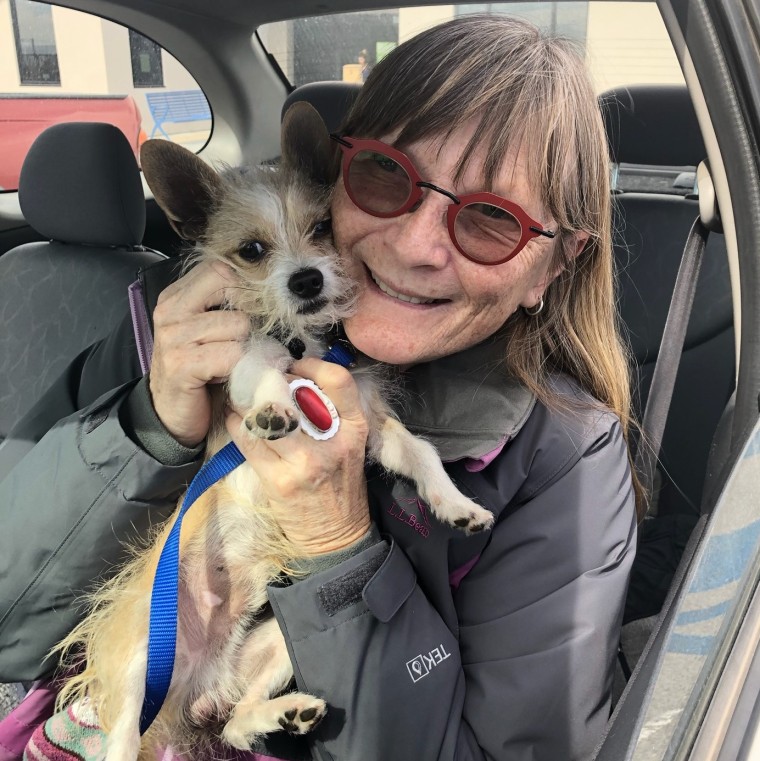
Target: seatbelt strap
669, 356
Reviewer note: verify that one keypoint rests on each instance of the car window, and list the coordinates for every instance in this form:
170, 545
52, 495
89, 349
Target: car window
717, 590
625, 43
61, 65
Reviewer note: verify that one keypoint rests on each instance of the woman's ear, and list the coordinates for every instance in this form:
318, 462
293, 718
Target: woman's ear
581, 239
535, 294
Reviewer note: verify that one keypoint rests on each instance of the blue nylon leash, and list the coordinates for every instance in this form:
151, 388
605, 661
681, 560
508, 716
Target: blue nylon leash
162, 627
162, 632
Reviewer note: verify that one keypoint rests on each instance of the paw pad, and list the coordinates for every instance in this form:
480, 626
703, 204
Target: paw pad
271, 421
299, 722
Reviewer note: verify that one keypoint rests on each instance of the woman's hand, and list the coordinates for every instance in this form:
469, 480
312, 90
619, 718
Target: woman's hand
193, 347
316, 488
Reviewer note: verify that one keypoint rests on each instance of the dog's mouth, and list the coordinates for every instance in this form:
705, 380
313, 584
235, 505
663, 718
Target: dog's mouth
312, 306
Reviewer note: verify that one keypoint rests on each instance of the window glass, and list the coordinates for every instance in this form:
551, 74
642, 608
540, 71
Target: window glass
716, 593
625, 42
60, 65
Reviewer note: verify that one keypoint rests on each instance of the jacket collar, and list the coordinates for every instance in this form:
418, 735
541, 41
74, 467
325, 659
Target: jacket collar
466, 404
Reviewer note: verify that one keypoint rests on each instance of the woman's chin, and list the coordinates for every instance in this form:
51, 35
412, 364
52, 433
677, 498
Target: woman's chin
389, 346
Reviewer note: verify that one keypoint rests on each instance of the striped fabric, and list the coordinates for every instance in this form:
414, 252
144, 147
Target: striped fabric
74, 735
68, 735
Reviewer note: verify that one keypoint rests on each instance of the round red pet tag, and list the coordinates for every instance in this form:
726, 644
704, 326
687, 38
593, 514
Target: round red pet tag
319, 418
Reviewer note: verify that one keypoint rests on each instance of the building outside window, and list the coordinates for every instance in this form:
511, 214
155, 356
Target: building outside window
147, 69
35, 43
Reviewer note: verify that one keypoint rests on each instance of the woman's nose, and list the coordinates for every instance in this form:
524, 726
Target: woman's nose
421, 236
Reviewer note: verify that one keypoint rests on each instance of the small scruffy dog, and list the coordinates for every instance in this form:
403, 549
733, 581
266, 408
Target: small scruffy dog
272, 228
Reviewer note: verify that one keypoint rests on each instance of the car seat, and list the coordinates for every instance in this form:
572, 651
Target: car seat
332, 100
80, 188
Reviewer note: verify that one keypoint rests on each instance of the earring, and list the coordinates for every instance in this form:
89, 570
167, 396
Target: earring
532, 312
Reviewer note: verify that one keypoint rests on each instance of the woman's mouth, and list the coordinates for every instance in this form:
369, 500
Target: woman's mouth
388, 291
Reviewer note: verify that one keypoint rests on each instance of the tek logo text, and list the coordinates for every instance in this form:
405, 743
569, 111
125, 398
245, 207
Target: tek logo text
424, 663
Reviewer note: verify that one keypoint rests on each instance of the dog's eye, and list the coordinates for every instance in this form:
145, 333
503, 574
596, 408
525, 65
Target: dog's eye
253, 251
321, 229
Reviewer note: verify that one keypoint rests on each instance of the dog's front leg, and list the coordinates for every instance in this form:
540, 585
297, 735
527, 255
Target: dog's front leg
259, 391
267, 665
400, 451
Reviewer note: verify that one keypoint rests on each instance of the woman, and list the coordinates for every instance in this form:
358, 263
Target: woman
425, 644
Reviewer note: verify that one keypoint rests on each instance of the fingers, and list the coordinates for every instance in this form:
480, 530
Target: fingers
194, 347
201, 289
205, 363
207, 328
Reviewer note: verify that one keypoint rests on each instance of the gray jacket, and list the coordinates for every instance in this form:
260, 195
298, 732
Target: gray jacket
426, 644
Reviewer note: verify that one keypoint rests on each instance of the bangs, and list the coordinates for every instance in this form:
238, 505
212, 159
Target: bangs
513, 82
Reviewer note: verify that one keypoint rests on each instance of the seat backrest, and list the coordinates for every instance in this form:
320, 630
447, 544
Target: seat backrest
332, 100
654, 137
80, 188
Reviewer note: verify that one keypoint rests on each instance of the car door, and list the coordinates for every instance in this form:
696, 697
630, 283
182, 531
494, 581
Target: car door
694, 691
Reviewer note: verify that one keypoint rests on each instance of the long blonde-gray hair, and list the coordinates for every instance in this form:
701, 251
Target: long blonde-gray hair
533, 93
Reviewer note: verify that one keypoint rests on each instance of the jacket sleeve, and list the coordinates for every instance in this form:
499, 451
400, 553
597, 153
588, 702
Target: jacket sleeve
528, 675
74, 489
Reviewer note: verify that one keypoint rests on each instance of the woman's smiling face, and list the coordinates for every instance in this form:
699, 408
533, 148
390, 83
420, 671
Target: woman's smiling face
419, 298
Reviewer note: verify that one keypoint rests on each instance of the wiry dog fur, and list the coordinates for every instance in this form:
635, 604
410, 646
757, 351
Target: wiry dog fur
232, 664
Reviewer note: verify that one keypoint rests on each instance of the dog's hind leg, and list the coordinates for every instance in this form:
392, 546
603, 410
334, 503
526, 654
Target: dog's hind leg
400, 451
124, 738
270, 671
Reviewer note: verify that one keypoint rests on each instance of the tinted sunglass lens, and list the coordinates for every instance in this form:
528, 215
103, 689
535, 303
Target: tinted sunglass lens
487, 233
377, 183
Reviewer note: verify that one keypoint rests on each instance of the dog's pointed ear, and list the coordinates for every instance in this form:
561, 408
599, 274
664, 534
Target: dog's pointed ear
306, 144
184, 186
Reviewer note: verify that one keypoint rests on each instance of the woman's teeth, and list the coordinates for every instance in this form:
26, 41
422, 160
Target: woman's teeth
400, 296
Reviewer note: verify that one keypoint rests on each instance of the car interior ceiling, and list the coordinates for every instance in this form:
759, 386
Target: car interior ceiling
647, 126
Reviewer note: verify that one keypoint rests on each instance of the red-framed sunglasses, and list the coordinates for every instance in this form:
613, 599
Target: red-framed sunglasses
484, 227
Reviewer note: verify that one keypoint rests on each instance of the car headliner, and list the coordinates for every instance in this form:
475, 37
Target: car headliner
246, 13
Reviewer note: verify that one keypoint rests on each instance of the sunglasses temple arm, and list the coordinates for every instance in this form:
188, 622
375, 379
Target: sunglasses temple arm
539, 231
339, 139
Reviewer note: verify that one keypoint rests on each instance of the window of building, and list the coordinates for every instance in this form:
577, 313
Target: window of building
35, 43
147, 70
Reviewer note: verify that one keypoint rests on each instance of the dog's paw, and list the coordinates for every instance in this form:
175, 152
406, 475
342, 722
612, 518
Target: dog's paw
303, 716
271, 421
462, 513
296, 713
475, 521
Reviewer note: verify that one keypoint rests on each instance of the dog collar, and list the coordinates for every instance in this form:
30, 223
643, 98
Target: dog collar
295, 346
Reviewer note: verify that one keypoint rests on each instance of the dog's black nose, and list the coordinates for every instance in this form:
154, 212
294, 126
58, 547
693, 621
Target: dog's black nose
306, 284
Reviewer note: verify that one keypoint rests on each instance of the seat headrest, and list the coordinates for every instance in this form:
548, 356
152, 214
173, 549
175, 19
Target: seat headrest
331, 99
80, 183
652, 124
